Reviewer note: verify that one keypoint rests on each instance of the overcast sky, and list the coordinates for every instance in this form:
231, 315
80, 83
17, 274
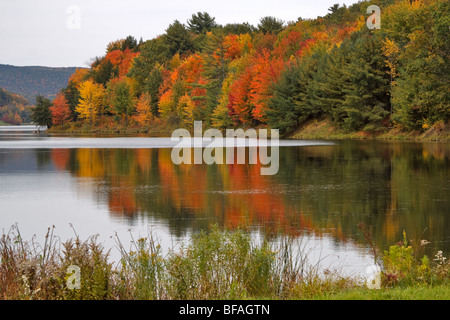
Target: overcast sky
66, 33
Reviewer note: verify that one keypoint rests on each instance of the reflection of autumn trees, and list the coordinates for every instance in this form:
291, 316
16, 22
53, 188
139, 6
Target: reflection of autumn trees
321, 189
392, 187
60, 158
90, 163
122, 200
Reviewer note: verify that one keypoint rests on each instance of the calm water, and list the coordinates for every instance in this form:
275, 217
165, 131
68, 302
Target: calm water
322, 191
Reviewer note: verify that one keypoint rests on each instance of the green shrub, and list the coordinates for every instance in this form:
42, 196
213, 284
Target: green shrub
141, 275
220, 265
405, 266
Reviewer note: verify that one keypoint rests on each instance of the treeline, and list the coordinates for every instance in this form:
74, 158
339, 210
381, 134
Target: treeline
14, 109
276, 74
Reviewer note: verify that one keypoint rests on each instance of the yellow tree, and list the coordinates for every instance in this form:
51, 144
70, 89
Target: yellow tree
391, 52
144, 109
91, 100
185, 110
166, 104
78, 76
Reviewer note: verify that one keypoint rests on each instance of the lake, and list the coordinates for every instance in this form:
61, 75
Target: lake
127, 186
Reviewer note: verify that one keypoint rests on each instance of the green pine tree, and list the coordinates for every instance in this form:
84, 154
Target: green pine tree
177, 38
41, 115
215, 70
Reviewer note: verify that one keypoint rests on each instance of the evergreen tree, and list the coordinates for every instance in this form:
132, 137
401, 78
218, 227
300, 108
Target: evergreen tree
270, 25
104, 72
201, 23
151, 86
72, 95
154, 53
352, 84
304, 99
291, 105
41, 114
177, 39
215, 69
281, 114
130, 42
367, 101
327, 90
239, 28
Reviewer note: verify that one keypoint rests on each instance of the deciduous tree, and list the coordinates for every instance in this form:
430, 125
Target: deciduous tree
91, 100
120, 97
60, 110
144, 114
185, 110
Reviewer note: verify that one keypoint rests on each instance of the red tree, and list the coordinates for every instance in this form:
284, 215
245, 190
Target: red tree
265, 70
239, 105
250, 92
60, 110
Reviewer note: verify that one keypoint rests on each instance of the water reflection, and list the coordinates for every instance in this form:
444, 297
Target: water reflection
319, 190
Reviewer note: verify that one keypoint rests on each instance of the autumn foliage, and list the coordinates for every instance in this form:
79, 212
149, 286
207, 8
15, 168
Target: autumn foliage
144, 114
60, 110
91, 100
277, 74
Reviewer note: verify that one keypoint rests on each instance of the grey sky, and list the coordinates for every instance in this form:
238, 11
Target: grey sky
36, 32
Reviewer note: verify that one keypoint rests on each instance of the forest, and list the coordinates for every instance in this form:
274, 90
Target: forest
277, 74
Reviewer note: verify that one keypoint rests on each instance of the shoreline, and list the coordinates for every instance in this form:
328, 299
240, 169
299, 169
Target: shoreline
313, 129
324, 129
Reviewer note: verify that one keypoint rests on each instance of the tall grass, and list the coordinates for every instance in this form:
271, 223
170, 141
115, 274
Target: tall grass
29, 271
214, 264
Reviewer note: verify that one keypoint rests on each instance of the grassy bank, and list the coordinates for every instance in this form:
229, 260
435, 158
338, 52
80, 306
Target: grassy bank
213, 265
435, 292
324, 129
314, 129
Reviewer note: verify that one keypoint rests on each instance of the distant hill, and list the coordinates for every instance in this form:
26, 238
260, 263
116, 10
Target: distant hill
7, 98
14, 108
33, 80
